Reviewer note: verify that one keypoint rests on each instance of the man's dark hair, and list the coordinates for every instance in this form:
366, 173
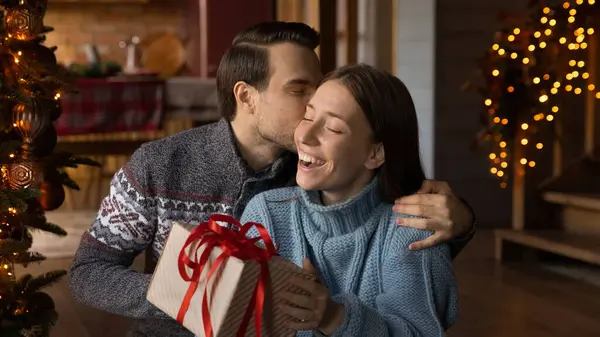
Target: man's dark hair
390, 110
247, 59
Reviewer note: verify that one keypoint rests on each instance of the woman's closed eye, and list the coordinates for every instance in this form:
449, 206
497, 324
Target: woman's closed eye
334, 130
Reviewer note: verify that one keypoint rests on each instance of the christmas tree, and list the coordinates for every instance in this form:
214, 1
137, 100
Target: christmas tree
538, 67
33, 176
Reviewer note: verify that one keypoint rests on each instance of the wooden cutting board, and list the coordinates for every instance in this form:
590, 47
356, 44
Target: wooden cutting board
163, 53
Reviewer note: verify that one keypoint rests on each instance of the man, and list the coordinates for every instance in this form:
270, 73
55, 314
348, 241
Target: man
264, 82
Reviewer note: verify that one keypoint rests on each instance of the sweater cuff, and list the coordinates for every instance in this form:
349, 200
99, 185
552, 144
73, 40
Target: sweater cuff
469, 235
349, 310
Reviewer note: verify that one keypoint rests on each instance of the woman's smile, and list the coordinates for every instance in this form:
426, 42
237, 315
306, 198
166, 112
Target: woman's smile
308, 162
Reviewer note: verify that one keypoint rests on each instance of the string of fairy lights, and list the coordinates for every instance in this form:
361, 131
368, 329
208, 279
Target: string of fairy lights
575, 79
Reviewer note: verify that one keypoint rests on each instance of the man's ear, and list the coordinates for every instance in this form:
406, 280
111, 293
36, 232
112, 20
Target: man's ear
244, 95
376, 158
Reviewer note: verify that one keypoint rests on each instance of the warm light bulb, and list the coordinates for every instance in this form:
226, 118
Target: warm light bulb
591, 87
539, 146
492, 156
544, 19
572, 63
548, 32
500, 173
569, 76
513, 56
546, 77
554, 91
531, 163
549, 118
562, 40
580, 38
568, 87
501, 52
524, 141
516, 31
555, 109
542, 44
580, 64
579, 2
591, 2
598, 95
531, 47
571, 19
488, 102
511, 38
525, 60
536, 80
573, 11
496, 120
504, 121
504, 164
584, 45
502, 144
496, 72
502, 154
537, 34
547, 10
16, 60
585, 76
590, 31
510, 89
557, 84
577, 91
566, 5
495, 47
493, 170
575, 74
543, 98
523, 161
524, 126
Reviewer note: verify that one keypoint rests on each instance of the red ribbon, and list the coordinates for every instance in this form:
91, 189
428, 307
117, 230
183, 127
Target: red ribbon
233, 243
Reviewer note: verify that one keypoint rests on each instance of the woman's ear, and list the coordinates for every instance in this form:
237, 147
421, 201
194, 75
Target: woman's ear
244, 96
376, 158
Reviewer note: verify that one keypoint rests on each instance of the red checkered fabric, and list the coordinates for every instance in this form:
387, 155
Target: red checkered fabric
112, 105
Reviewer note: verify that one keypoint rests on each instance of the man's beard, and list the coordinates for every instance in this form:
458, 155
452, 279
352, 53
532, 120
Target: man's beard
285, 143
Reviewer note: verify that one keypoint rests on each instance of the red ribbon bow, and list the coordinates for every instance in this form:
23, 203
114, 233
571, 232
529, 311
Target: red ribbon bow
234, 243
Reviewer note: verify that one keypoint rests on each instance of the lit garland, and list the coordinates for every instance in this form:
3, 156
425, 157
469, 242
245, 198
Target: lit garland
526, 73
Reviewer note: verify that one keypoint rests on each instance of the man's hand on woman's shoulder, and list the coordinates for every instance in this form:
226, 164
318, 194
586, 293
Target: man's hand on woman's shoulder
441, 211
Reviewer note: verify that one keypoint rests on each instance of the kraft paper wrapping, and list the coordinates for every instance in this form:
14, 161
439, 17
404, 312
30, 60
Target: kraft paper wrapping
229, 292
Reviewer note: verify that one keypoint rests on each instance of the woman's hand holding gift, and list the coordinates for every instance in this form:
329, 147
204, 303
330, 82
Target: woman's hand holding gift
314, 310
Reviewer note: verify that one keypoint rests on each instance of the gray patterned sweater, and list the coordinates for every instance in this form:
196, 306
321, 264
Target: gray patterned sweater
185, 177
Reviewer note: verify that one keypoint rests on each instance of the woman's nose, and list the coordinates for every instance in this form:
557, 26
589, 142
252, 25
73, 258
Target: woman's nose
308, 136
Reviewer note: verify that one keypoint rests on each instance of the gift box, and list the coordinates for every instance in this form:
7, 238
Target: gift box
216, 282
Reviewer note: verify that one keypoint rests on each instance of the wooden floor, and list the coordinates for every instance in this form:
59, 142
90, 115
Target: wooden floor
496, 301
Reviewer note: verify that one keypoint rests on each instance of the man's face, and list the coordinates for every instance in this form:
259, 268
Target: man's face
295, 71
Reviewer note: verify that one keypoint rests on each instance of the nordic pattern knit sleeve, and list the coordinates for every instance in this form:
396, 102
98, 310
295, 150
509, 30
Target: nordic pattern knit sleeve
100, 275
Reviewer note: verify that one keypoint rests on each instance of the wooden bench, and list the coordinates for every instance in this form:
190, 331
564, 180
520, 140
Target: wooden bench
574, 246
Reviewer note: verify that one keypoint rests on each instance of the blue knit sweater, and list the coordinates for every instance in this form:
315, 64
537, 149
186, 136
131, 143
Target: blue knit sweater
364, 260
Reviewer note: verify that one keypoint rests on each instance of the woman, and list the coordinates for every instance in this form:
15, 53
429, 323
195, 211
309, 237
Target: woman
358, 151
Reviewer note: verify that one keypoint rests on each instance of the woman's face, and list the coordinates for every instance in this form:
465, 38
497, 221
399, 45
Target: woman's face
335, 144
